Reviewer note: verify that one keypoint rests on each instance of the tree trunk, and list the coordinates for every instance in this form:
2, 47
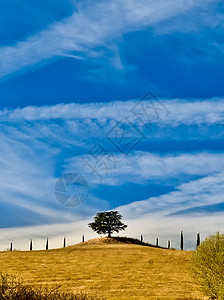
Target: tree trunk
109, 234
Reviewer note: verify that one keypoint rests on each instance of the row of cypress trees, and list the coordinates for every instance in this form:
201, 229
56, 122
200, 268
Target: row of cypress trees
198, 241
47, 244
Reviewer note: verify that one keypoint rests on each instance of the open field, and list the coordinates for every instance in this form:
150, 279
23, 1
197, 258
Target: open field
115, 271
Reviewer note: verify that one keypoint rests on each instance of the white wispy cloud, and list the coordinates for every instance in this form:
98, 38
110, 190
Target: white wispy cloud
143, 167
26, 181
171, 112
197, 193
88, 28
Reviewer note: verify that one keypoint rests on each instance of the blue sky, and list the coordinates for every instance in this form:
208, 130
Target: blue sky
71, 74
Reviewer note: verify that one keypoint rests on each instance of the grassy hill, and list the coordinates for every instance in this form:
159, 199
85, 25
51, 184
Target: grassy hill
113, 268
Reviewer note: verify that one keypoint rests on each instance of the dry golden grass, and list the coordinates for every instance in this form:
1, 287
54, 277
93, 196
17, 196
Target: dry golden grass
113, 270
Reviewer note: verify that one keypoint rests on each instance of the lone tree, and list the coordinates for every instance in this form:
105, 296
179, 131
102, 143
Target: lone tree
107, 222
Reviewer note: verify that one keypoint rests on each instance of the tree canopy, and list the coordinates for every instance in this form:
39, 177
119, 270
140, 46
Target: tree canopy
207, 266
107, 223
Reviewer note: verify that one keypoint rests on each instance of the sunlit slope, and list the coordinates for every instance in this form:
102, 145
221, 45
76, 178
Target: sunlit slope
113, 270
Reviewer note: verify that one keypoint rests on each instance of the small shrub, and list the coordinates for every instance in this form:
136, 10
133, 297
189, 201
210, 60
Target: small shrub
207, 266
12, 288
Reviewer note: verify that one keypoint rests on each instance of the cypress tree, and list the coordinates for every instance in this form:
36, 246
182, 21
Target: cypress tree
198, 240
64, 242
11, 247
181, 241
157, 242
168, 244
31, 245
83, 238
141, 238
47, 244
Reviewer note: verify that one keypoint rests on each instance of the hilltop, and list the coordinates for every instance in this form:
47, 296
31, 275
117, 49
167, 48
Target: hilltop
115, 241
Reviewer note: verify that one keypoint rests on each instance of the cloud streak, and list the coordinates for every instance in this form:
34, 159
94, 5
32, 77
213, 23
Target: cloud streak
143, 167
179, 111
88, 28
204, 191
